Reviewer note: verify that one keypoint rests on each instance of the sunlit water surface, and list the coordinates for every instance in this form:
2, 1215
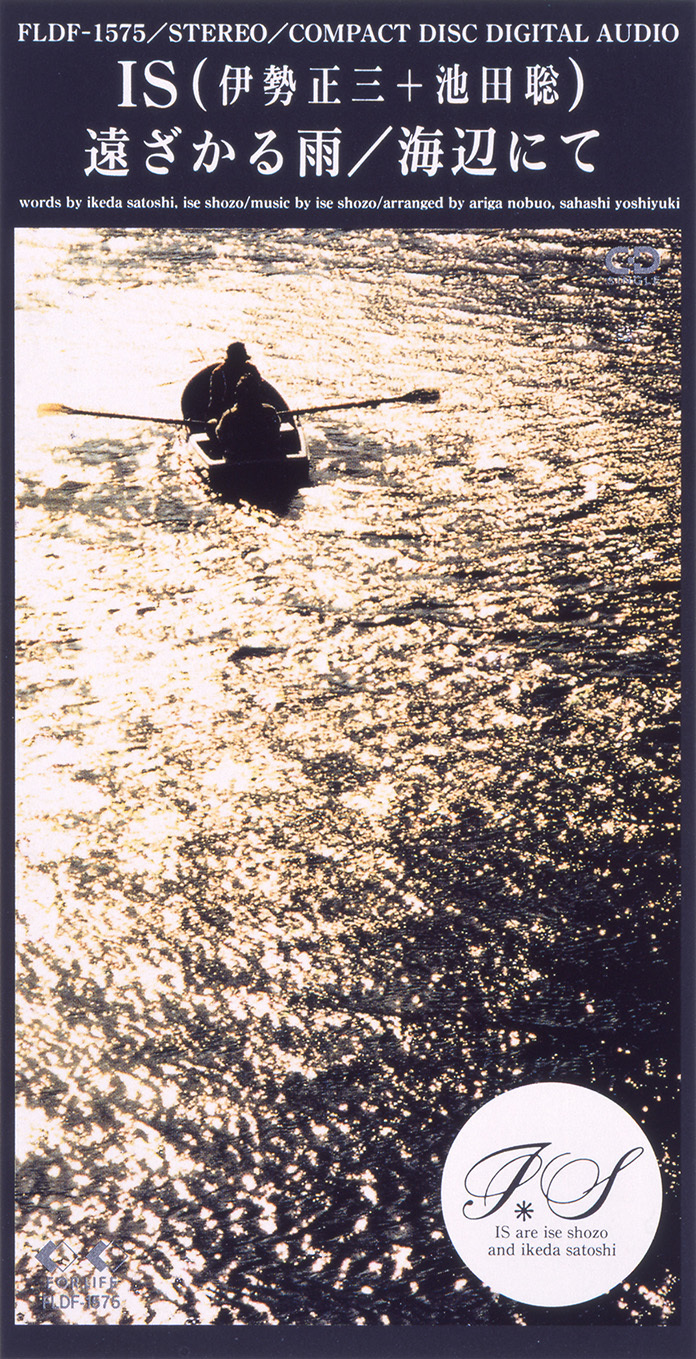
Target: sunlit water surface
333, 825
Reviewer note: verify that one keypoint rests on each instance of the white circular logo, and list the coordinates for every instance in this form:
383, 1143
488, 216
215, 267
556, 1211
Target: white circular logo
551, 1194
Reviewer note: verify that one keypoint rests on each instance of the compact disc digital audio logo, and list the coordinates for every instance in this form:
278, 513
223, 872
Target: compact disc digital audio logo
636, 262
551, 1194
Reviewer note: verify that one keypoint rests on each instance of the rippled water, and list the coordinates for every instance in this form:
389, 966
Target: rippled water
333, 825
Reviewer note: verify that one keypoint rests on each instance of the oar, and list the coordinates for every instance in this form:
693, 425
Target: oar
57, 408
421, 396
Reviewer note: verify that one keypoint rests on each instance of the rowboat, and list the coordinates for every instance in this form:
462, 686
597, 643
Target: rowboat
261, 481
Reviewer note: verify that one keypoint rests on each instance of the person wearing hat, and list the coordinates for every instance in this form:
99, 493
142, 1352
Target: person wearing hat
225, 377
211, 391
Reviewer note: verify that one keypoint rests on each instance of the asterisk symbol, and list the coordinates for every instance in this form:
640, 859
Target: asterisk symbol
524, 1210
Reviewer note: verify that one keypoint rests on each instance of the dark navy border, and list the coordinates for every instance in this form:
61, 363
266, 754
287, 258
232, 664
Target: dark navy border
546, 1333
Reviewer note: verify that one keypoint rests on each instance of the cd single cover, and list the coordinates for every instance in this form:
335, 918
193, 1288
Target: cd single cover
347, 640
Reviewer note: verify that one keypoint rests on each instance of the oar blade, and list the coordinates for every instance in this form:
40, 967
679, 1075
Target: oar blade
422, 395
54, 408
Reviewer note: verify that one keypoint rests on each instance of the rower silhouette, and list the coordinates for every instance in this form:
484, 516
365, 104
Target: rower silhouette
250, 429
213, 391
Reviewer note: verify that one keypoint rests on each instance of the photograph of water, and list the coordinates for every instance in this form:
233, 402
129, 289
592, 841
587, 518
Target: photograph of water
335, 823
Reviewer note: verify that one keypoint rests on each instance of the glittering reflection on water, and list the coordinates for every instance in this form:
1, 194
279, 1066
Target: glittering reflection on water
334, 824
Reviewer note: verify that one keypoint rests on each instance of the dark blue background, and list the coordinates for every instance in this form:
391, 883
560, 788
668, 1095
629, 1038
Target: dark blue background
637, 95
